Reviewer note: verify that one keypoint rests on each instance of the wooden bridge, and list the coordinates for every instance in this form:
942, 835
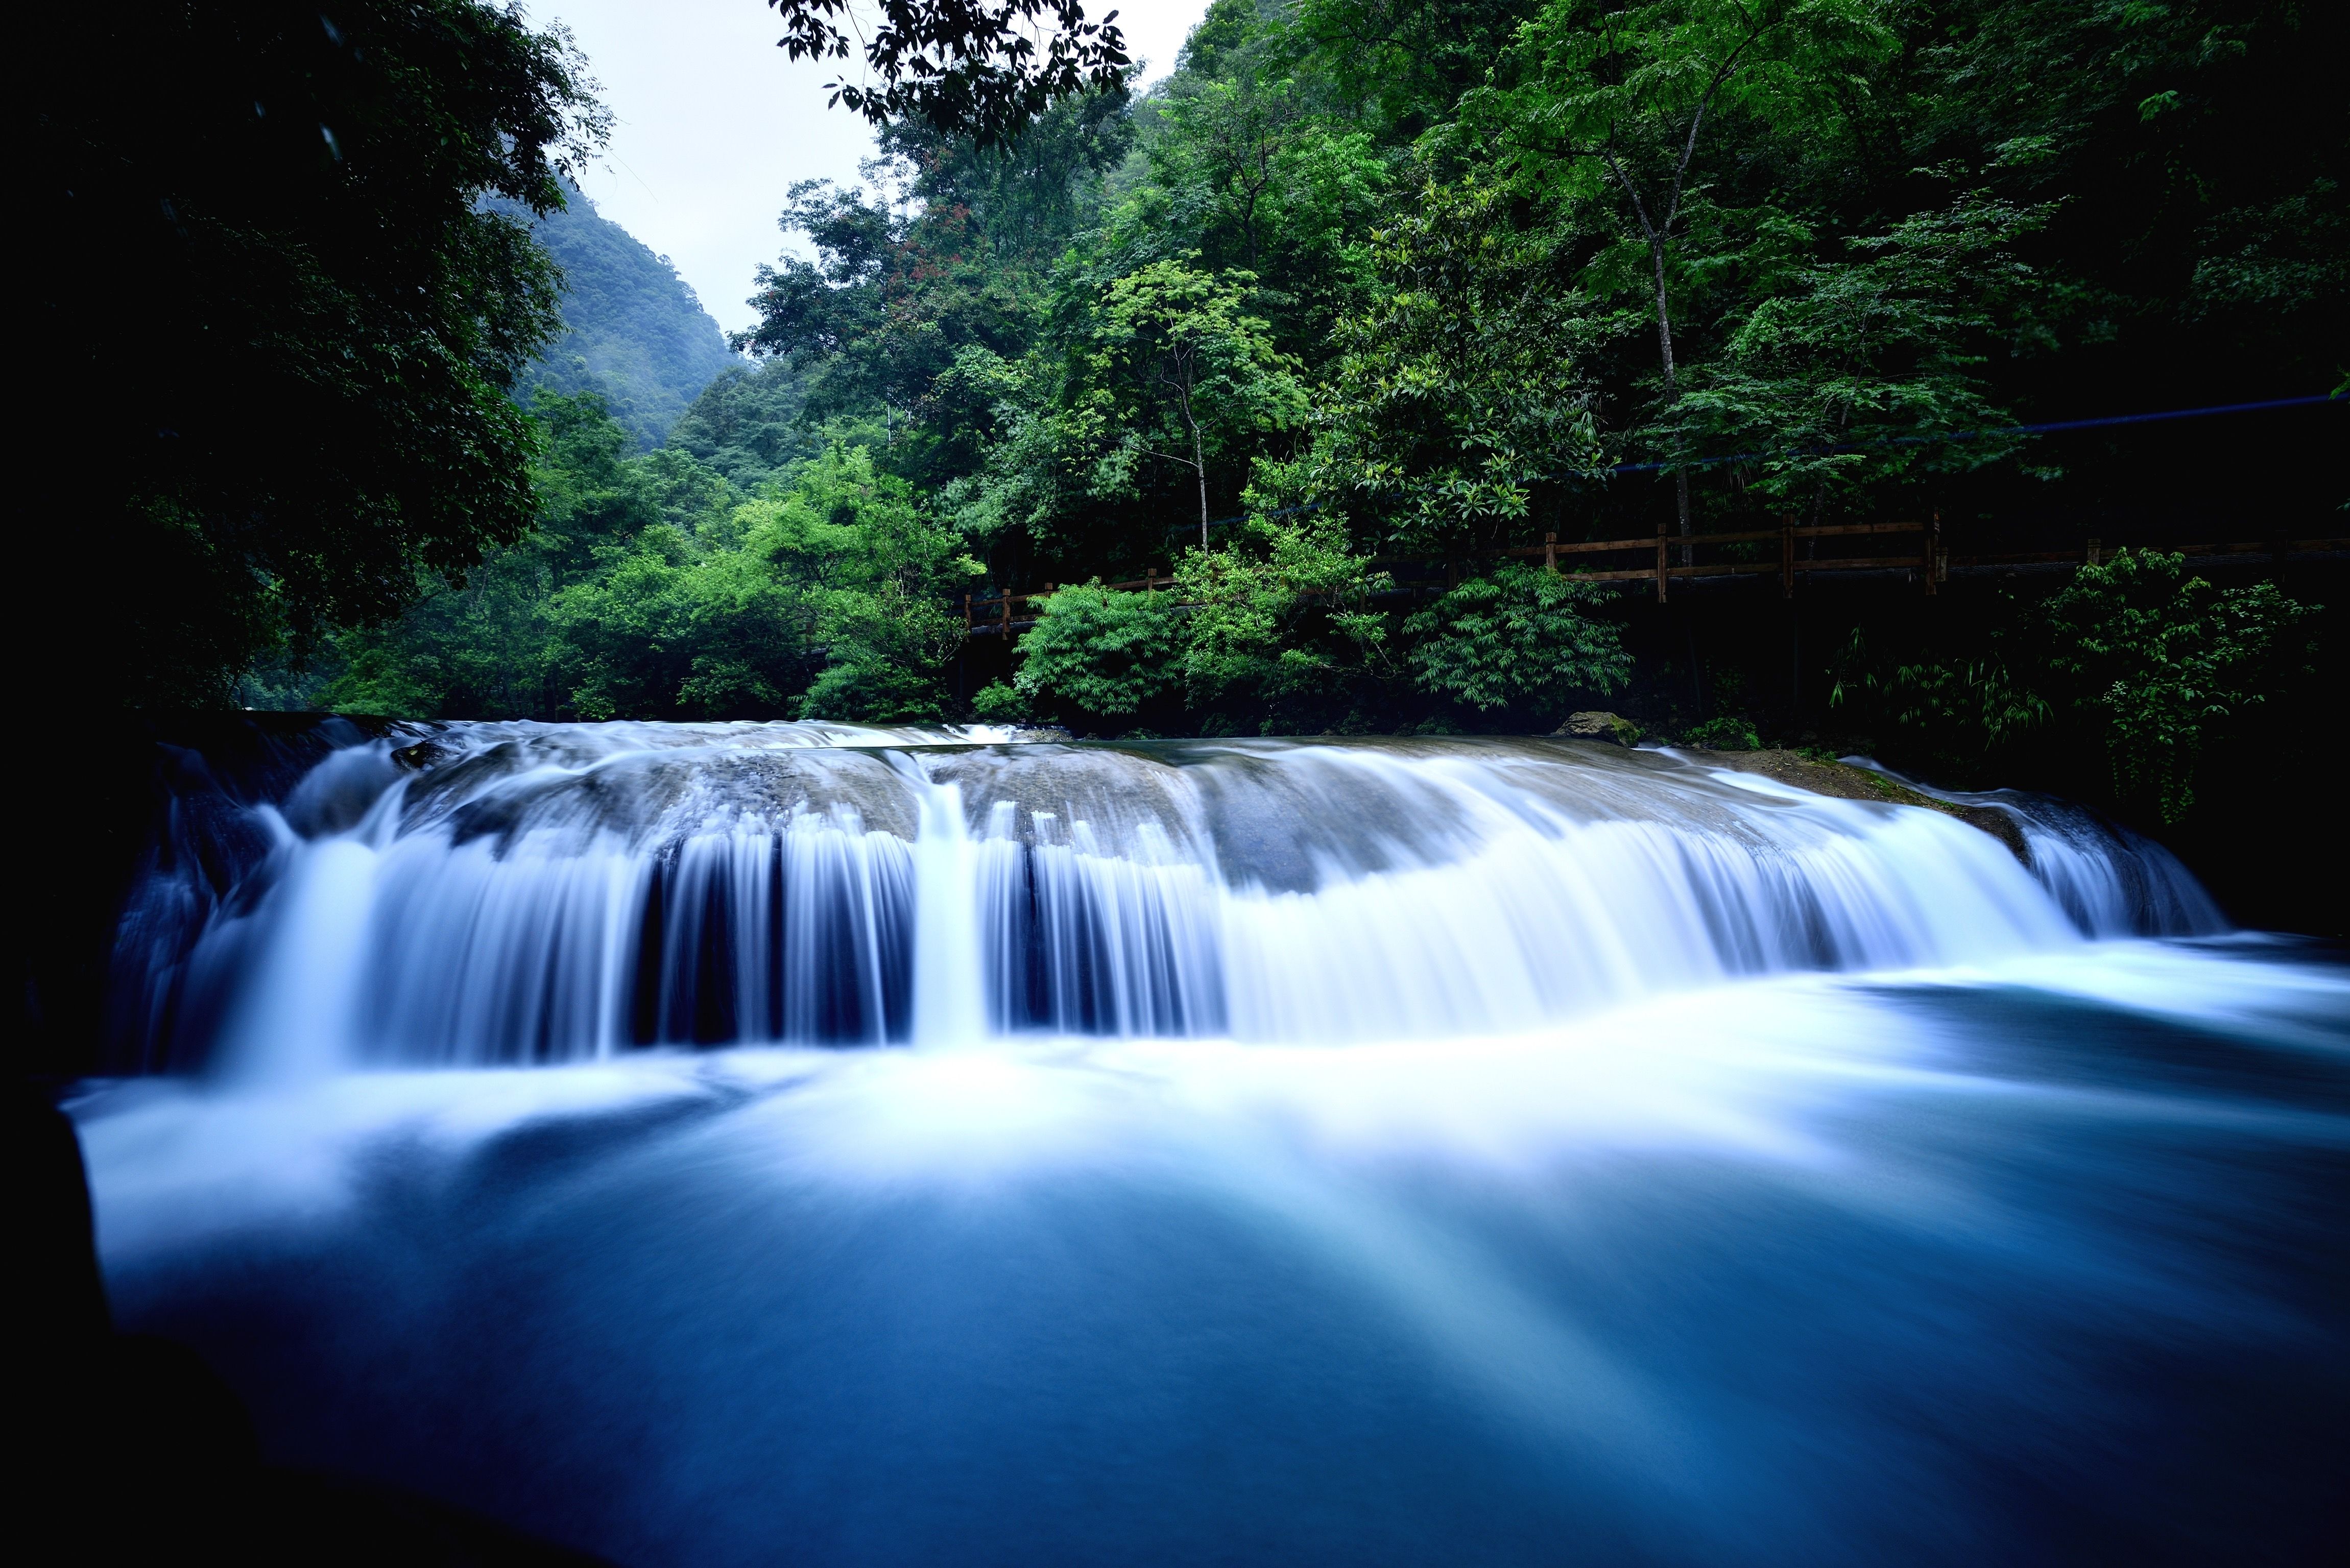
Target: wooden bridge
1924, 561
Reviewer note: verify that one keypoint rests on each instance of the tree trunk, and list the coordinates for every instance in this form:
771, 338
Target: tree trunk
1200, 468
1199, 465
1672, 396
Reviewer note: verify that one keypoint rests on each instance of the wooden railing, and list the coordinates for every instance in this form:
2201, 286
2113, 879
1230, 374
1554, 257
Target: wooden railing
979, 619
993, 613
1667, 544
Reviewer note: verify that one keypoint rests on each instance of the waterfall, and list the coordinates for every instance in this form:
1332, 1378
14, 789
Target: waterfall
2110, 881
947, 1005
1259, 1151
512, 892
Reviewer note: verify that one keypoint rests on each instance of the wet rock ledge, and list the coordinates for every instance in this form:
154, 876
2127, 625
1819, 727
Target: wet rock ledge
1845, 782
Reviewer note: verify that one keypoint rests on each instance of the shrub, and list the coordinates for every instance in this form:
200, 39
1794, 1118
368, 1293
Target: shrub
2157, 661
1098, 653
1517, 636
2136, 663
997, 703
1280, 628
1723, 734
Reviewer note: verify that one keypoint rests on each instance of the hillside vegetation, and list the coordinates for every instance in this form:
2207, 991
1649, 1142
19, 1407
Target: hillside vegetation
1365, 293
633, 330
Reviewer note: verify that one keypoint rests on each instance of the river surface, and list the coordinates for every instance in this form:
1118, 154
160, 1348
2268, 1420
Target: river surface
715, 1145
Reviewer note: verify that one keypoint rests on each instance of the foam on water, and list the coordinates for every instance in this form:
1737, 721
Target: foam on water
500, 893
1934, 1266
1406, 1151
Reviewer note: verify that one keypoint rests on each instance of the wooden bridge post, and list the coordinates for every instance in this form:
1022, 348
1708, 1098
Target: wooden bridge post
1660, 563
1550, 553
1933, 549
1787, 556
966, 615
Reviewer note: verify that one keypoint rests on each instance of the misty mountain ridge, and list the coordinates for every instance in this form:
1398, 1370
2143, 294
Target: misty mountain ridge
634, 329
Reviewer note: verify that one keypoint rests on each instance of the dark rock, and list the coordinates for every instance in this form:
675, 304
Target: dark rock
1598, 726
133, 1449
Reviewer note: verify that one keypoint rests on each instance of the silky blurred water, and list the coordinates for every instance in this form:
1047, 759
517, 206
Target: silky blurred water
1301, 1155
498, 893
2041, 1263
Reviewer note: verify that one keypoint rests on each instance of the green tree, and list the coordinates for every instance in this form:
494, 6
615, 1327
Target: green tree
965, 68
1460, 390
1027, 197
1611, 102
2197, 149
1842, 373
874, 574
1402, 65
2159, 662
1177, 361
877, 323
747, 424
510, 641
1233, 130
279, 218
2131, 673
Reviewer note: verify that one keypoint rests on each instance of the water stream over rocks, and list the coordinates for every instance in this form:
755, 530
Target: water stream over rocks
741, 1144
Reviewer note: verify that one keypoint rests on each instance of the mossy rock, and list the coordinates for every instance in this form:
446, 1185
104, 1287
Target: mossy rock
1844, 782
1599, 726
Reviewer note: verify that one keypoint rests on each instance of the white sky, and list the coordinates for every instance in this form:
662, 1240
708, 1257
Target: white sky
712, 124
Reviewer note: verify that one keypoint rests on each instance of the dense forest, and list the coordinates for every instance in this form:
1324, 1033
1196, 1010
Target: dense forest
632, 329
1368, 290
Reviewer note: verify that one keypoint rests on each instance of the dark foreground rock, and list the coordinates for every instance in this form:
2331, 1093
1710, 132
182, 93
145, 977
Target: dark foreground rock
132, 1450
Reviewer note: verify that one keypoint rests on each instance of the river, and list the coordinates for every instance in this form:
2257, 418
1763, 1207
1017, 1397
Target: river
751, 1144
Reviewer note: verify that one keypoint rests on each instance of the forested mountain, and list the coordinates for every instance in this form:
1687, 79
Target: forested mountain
632, 329
747, 424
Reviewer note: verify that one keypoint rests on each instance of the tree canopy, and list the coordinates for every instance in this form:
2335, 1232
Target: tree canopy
277, 323
1330, 337
964, 67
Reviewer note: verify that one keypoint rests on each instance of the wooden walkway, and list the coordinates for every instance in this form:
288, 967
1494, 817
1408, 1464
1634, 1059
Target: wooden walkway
1925, 561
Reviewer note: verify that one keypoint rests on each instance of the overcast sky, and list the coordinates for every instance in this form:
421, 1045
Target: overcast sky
712, 124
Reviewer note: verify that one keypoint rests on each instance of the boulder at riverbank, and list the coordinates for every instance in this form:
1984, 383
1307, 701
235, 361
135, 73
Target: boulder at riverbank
1598, 726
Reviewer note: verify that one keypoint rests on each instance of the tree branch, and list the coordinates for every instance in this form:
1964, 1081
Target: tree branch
1640, 208
1705, 98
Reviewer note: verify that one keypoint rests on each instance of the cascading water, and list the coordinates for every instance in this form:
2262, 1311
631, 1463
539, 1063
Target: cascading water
1330, 1150
947, 1005
500, 893
2110, 881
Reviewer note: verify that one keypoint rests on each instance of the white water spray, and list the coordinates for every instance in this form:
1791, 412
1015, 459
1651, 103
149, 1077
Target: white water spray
297, 1020
949, 1007
558, 893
